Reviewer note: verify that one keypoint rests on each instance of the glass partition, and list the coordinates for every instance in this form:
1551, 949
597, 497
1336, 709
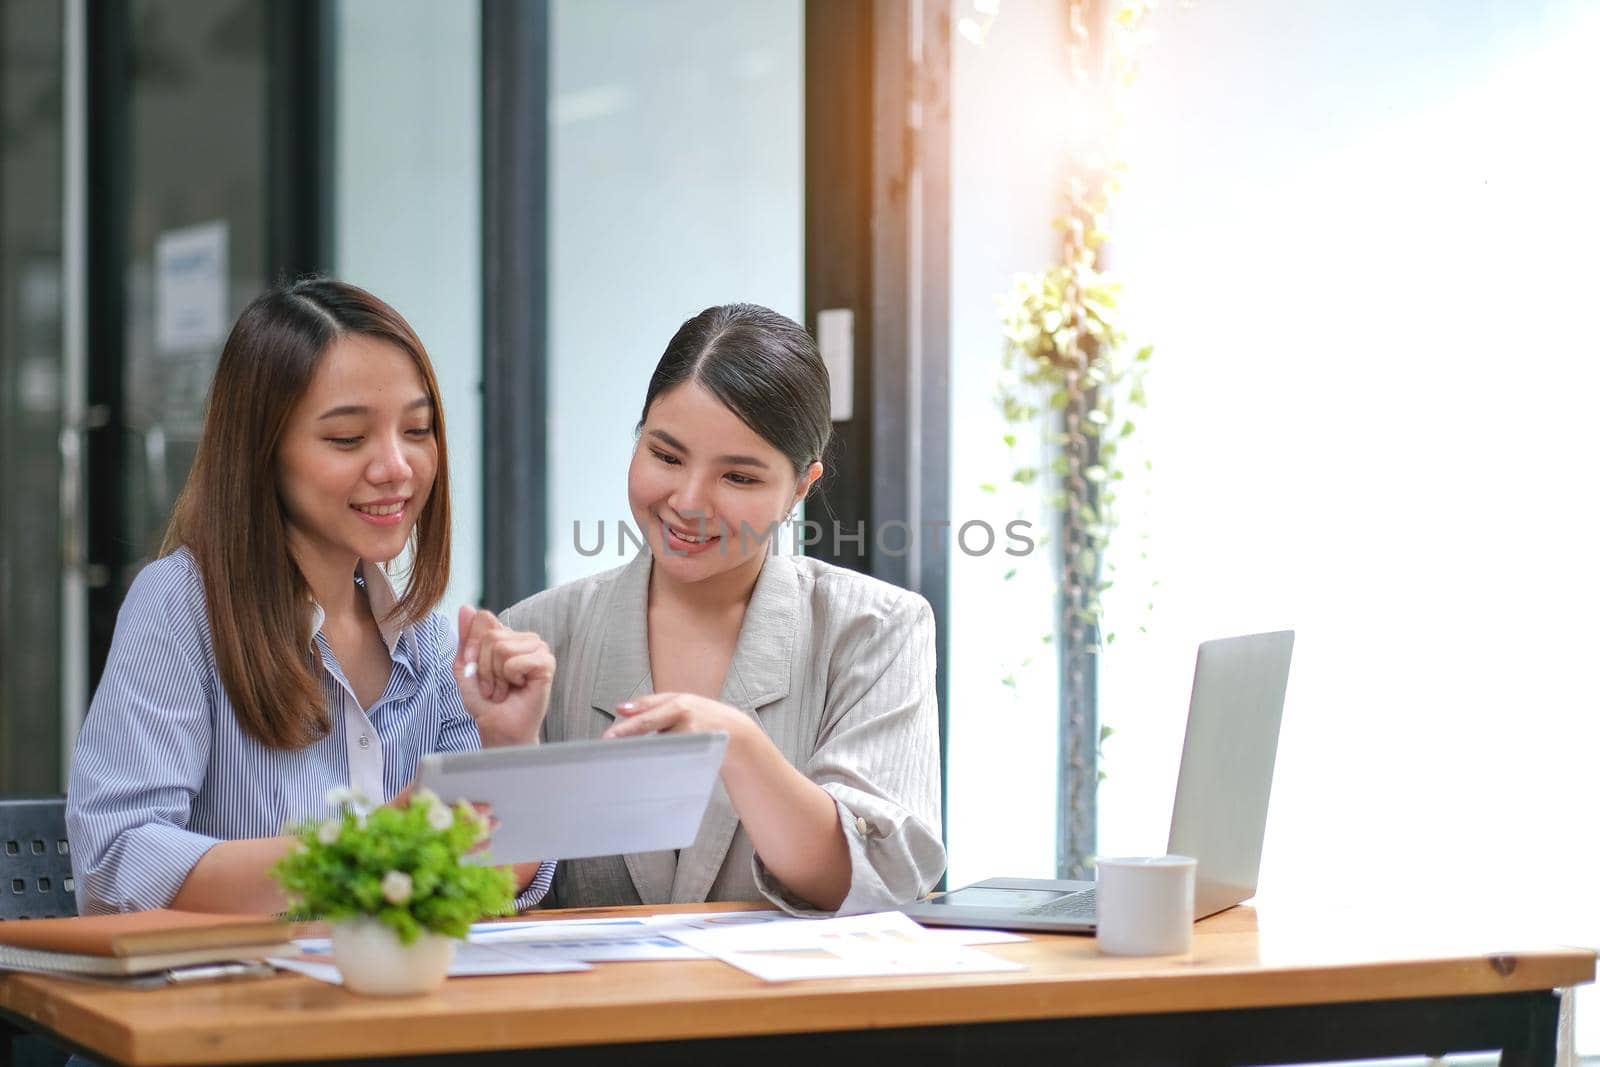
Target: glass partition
32, 388
676, 142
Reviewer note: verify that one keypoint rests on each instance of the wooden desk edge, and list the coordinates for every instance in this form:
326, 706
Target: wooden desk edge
761, 1009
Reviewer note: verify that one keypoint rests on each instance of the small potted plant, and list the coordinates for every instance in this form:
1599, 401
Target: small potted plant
392, 883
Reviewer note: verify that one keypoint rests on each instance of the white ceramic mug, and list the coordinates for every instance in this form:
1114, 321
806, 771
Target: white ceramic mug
1145, 905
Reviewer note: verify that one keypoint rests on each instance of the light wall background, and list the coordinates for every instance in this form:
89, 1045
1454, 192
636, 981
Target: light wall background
407, 210
677, 182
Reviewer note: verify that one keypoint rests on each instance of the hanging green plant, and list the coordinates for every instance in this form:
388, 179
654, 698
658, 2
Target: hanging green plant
1071, 369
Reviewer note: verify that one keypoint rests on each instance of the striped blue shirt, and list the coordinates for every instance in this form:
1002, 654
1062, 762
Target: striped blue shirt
162, 770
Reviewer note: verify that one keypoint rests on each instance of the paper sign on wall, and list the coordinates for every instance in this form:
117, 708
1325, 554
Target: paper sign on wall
192, 287
836, 340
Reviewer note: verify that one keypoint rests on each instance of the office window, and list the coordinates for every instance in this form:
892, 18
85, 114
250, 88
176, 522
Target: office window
676, 182
1008, 171
1361, 236
32, 406
407, 214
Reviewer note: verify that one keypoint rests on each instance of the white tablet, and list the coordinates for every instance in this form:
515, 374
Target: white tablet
571, 799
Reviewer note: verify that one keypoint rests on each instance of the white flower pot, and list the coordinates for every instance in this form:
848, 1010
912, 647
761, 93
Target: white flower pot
372, 960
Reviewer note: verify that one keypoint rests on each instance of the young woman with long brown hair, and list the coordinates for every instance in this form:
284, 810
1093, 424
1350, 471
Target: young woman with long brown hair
264, 658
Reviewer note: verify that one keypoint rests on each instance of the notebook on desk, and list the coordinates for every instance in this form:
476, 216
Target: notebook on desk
138, 942
1219, 814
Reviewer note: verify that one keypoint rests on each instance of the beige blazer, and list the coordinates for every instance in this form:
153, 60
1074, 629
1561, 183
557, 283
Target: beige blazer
838, 670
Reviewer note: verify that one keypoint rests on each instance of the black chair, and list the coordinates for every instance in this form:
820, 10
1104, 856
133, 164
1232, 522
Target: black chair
35, 883
35, 859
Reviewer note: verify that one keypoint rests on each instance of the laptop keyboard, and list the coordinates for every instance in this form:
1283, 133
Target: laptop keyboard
1073, 906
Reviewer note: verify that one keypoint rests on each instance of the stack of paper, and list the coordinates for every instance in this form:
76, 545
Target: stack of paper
887, 943
769, 944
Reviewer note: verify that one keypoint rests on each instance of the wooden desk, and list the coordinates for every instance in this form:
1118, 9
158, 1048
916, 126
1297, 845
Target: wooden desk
1250, 993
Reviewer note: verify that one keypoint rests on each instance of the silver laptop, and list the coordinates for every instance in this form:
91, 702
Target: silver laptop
1219, 815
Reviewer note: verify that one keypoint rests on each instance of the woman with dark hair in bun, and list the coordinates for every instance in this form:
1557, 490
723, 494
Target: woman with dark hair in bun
823, 678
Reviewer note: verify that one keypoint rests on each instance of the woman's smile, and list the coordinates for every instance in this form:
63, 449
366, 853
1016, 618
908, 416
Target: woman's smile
390, 512
690, 541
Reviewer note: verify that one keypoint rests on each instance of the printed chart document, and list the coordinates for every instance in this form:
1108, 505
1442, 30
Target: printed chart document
650, 937
316, 961
887, 943
554, 946
591, 941
635, 938
549, 947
